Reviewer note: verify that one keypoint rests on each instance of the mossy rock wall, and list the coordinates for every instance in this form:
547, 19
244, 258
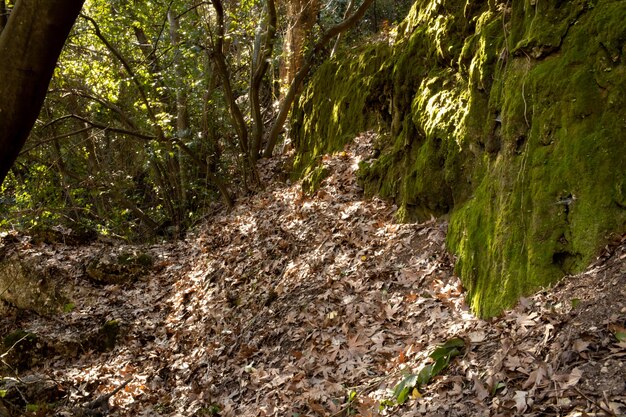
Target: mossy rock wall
330, 112
509, 117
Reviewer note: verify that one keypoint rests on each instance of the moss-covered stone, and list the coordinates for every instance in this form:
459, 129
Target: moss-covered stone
107, 335
118, 269
324, 121
31, 284
313, 180
548, 201
509, 116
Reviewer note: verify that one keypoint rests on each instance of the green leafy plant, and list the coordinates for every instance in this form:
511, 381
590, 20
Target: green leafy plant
402, 391
619, 332
441, 356
212, 410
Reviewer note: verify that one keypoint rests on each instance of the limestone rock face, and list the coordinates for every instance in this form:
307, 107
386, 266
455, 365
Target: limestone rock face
30, 285
506, 116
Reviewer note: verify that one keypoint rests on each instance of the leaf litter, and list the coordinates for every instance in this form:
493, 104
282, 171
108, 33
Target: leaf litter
323, 305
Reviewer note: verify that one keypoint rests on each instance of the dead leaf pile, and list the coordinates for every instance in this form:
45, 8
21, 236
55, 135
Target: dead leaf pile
322, 305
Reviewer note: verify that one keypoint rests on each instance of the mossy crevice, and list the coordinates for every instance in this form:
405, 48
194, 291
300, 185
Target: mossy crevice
507, 116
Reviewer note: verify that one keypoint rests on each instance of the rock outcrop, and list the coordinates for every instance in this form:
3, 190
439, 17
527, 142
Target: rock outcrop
508, 117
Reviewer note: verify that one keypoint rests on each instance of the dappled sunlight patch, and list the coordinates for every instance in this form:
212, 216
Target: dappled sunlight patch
322, 305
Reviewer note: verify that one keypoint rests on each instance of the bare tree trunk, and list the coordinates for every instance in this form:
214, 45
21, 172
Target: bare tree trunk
301, 17
260, 64
182, 113
30, 45
222, 68
299, 77
248, 162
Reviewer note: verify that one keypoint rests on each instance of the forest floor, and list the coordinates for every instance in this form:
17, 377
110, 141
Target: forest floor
322, 305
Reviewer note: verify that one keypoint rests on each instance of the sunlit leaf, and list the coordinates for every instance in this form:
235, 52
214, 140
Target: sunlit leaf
404, 388
619, 332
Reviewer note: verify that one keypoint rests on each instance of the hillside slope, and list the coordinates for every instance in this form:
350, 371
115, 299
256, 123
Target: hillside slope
319, 305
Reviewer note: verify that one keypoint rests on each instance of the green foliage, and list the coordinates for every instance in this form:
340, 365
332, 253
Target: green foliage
38, 409
441, 357
402, 391
107, 152
212, 410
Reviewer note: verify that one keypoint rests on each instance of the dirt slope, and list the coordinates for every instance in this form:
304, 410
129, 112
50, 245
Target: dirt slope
315, 306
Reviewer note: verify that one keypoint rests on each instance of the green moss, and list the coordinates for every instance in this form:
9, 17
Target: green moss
551, 198
538, 28
108, 334
313, 180
145, 260
18, 336
324, 122
510, 117
21, 350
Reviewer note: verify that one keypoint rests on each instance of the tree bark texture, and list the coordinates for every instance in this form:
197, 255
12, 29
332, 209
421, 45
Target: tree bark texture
30, 46
301, 17
266, 36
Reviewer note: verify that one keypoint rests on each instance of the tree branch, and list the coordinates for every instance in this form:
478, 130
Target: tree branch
92, 125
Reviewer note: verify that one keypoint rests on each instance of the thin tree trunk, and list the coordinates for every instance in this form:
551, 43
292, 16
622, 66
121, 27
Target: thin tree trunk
260, 64
30, 45
209, 136
296, 84
182, 113
220, 64
338, 38
64, 177
248, 162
